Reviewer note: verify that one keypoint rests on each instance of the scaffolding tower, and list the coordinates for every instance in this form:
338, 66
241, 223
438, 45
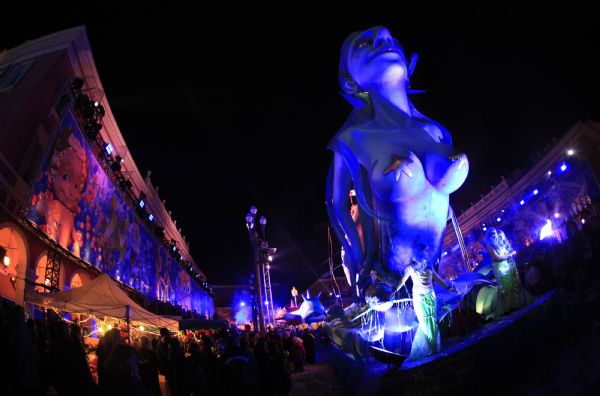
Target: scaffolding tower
52, 274
266, 266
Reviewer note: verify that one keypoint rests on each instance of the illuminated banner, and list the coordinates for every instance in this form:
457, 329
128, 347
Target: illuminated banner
76, 204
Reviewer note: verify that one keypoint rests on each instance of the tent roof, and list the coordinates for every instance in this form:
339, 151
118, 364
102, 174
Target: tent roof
101, 297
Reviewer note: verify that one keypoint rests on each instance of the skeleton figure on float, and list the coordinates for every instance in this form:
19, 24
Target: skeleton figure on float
402, 166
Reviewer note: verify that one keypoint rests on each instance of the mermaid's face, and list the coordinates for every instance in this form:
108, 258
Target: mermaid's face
374, 56
69, 180
502, 237
493, 236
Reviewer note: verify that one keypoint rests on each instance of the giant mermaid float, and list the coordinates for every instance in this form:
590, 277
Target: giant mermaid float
402, 167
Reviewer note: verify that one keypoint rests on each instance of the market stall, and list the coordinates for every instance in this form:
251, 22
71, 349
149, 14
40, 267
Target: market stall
101, 297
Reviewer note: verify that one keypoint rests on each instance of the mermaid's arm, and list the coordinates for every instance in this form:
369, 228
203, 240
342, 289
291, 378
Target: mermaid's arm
407, 272
439, 280
341, 185
498, 256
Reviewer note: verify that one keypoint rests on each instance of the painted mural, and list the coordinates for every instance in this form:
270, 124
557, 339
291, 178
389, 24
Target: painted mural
76, 204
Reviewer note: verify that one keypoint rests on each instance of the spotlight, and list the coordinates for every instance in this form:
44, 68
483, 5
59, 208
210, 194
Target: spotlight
556, 215
498, 219
150, 217
99, 111
535, 192
242, 303
108, 148
570, 152
484, 228
522, 202
549, 173
142, 200
563, 167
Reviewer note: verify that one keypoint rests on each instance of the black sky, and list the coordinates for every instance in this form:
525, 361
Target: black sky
228, 112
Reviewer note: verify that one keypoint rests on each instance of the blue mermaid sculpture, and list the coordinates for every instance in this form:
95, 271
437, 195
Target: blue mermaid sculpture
402, 166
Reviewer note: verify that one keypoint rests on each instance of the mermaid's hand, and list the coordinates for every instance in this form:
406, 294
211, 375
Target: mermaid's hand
399, 165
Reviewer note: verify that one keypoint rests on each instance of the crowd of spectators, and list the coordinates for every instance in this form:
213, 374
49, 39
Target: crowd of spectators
49, 357
568, 263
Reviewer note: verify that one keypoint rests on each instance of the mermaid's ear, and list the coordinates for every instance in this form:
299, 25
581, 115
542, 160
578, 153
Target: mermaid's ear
354, 101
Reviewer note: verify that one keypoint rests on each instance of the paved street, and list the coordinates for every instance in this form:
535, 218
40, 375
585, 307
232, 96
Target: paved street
317, 379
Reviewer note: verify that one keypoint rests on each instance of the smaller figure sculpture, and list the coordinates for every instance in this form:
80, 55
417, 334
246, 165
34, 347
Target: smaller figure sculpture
311, 310
505, 270
420, 270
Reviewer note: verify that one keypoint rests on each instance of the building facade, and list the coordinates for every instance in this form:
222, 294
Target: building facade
73, 203
559, 188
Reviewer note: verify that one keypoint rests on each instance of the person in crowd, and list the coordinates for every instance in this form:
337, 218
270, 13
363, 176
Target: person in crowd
237, 370
122, 372
178, 369
263, 361
282, 383
162, 352
148, 363
309, 346
105, 347
298, 354
81, 377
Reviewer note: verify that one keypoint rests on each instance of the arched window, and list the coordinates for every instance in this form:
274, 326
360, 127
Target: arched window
76, 281
40, 272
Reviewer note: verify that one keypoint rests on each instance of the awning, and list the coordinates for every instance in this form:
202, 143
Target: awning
100, 297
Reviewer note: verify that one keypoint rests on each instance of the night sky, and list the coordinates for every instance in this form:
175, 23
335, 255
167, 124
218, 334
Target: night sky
227, 113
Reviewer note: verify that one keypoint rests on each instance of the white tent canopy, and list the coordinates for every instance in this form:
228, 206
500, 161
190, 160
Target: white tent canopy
101, 297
